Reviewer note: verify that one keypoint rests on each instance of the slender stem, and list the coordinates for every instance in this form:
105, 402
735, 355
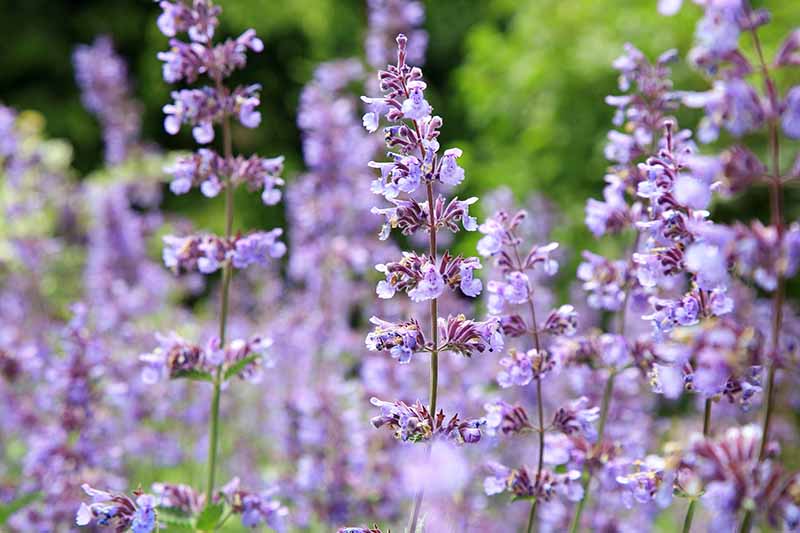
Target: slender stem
776, 218
532, 516
227, 274
587, 474
434, 309
434, 389
687, 521
707, 418
747, 522
412, 524
605, 404
539, 406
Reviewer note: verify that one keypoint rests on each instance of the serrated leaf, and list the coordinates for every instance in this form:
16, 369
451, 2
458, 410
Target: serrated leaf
194, 375
15, 505
174, 521
240, 365
209, 516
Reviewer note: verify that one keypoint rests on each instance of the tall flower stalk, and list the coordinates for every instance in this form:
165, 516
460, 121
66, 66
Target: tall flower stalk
605, 404
501, 242
775, 184
417, 166
218, 361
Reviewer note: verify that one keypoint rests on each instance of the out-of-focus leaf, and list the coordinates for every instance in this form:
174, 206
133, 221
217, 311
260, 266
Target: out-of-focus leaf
240, 365
174, 520
194, 375
13, 506
209, 517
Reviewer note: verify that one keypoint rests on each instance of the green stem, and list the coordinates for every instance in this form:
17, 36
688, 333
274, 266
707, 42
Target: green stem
687, 522
587, 474
777, 220
532, 516
605, 404
227, 274
434, 390
539, 406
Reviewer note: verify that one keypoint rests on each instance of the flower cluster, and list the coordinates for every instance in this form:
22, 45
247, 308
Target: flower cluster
118, 511
524, 484
105, 89
175, 357
424, 279
207, 169
416, 168
622, 400
218, 361
208, 253
415, 423
735, 478
255, 508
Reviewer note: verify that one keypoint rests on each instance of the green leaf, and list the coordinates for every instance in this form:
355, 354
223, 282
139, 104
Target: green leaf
194, 375
209, 517
174, 521
240, 365
15, 505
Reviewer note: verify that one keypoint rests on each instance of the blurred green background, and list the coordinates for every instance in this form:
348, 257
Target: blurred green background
520, 83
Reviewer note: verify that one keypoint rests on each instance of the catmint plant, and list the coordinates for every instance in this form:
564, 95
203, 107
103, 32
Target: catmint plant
417, 168
729, 358
105, 90
501, 241
612, 285
216, 361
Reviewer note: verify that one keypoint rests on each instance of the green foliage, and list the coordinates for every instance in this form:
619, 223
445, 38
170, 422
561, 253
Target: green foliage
534, 83
194, 375
240, 365
533, 88
8, 509
209, 516
174, 520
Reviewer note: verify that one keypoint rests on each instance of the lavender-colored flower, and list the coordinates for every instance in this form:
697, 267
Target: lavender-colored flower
610, 215
732, 104
176, 358
105, 91
374, 529
561, 321
257, 248
400, 340
178, 496
387, 18
522, 367
423, 280
208, 253
733, 475
505, 417
255, 508
118, 510
206, 170
525, 484
646, 481
464, 336
604, 280
576, 419
430, 285
415, 423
